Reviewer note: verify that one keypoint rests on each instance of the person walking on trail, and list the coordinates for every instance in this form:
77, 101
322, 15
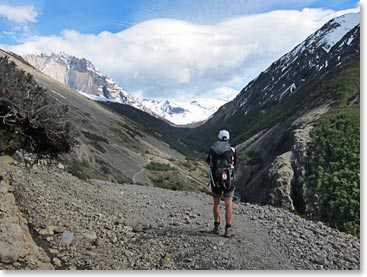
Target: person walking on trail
222, 159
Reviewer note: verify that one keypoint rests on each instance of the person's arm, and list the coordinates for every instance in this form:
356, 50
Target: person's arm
234, 156
208, 158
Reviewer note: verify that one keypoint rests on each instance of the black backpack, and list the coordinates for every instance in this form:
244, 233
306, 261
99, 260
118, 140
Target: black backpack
222, 170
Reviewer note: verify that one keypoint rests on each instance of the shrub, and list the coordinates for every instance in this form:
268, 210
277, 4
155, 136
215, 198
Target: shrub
159, 167
335, 168
167, 183
250, 158
29, 118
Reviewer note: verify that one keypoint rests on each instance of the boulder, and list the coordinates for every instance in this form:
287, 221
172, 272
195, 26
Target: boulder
6, 159
7, 253
67, 238
280, 176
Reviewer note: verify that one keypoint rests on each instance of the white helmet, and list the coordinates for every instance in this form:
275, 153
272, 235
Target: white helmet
223, 135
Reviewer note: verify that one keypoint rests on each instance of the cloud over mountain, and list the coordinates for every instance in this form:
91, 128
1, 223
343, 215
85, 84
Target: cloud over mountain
171, 58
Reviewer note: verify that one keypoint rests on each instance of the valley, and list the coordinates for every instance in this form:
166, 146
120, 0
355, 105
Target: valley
133, 191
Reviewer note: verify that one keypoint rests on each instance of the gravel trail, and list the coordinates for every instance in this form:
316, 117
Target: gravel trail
124, 226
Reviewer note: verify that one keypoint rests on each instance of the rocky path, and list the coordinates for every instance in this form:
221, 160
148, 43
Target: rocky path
100, 225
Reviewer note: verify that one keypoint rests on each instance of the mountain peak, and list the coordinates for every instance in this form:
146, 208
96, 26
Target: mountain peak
295, 68
81, 75
183, 113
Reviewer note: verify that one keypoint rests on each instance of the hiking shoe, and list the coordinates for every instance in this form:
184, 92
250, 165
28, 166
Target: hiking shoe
216, 229
229, 232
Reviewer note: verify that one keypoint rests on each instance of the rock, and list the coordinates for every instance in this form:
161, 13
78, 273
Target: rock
60, 166
166, 261
114, 240
7, 254
280, 177
138, 228
319, 259
10, 188
67, 238
7, 160
48, 231
57, 262
98, 242
128, 229
53, 251
187, 219
12, 219
58, 229
90, 235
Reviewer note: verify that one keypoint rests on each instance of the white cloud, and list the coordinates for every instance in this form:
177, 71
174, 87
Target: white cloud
176, 59
19, 14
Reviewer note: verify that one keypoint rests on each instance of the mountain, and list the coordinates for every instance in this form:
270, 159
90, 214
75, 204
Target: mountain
277, 125
273, 118
283, 80
112, 147
184, 113
81, 75
283, 123
298, 148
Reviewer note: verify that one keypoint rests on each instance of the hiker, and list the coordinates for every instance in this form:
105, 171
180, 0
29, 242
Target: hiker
222, 159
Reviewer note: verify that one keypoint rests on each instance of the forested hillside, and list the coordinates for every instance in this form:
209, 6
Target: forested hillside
334, 168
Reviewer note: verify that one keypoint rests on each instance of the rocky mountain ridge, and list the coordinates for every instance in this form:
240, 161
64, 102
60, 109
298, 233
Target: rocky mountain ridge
100, 225
184, 113
112, 147
321, 50
82, 76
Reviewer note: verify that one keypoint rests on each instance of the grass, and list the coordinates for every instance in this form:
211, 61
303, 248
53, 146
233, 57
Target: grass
159, 167
95, 141
82, 170
250, 158
167, 183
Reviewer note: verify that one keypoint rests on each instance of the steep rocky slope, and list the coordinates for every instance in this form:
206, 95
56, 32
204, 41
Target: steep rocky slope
80, 75
17, 247
112, 147
272, 96
101, 225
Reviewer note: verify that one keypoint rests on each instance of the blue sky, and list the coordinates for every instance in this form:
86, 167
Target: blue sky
167, 33
115, 15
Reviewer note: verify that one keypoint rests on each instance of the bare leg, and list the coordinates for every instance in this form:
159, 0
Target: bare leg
216, 209
228, 202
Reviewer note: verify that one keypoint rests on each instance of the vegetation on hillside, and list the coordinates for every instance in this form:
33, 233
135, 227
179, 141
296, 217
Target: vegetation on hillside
29, 118
250, 158
335, 168
159, 167
335, 155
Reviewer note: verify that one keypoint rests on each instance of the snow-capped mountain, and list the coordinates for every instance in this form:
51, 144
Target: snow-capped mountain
183, 113
274, 114
326, 46
81, 75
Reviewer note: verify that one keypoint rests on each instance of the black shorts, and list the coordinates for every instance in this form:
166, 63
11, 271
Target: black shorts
218, 190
